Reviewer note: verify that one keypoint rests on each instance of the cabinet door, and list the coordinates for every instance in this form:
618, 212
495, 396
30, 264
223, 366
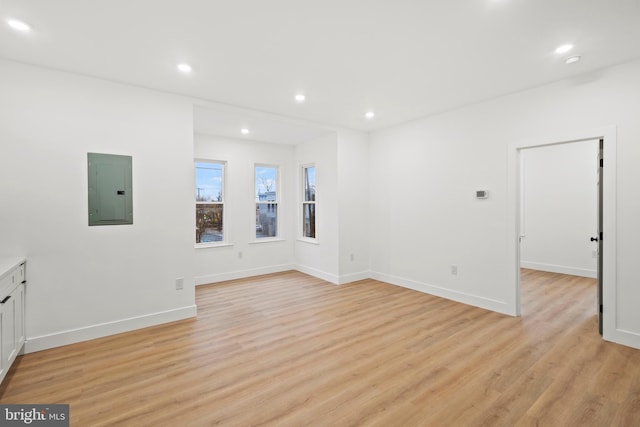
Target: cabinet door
4, 366
8, 339
19, 329
12, 325
21, 296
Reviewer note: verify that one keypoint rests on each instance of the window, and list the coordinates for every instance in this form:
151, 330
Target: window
309, 201
209, 201
266, 201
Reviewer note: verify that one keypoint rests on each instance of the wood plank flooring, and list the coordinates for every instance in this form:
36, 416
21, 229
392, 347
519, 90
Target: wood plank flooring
291, 350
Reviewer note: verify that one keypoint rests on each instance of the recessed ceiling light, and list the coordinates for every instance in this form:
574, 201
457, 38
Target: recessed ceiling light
185, 68
370, 115
244, 131
564, 48
300, 97
572, 60
18, 25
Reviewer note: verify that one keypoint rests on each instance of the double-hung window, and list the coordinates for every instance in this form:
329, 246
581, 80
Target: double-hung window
210, 177
267, 199
309, 201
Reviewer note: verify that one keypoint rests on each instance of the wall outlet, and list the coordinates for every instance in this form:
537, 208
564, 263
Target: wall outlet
352, 257
454, 269
239, 254
594, 254
179, 284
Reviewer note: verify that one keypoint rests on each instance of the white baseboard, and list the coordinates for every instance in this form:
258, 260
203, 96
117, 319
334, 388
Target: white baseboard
329, 277
465, 298
354, 277
87, 333
562, 269
241, 274
333, 278
620, 336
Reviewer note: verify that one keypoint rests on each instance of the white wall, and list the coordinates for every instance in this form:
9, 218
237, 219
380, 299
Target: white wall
353, 194
341, 161
424, 215
560, 197
213, 264
92, 281
424, 175
321, 258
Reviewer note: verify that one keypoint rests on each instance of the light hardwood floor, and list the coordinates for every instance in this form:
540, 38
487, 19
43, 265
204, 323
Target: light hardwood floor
291, 350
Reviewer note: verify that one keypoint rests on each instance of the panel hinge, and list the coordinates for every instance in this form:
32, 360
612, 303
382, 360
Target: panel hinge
600, 308
601, 163
601, 236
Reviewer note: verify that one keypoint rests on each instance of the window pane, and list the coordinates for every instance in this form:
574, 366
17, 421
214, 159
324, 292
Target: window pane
209, 223
266, 185
310, 184
208, 182
266, 220
309, 215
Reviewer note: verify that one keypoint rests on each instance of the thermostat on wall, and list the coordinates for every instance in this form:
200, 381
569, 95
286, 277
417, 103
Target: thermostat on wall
482, 194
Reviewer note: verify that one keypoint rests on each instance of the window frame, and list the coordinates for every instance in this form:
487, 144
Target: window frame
277, 203
223, 203
303, 202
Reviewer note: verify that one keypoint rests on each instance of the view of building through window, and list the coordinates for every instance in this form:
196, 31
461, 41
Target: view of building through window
209, 201
266, 188
309, 202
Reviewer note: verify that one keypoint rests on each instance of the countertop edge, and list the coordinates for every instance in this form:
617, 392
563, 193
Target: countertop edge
8, 264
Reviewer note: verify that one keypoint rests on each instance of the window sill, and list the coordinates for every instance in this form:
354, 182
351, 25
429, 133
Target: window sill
267, 240
212, 245
310, 241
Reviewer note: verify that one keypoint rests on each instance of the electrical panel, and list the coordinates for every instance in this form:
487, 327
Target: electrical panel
110, 189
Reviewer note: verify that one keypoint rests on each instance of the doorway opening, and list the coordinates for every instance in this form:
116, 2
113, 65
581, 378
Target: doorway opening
604, 247
559, 216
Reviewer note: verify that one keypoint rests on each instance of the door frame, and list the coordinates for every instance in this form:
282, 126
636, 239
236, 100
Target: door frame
609, 241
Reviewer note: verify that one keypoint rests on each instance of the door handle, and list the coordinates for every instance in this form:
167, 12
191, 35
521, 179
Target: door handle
594, 239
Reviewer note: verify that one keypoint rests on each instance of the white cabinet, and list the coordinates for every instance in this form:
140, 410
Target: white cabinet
12, 309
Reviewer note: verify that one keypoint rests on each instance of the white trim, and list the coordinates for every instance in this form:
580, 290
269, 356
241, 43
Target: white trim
72, 336
610, 288
212, 245
241, 274
562, 269
461, 297
267, 240
308, 240
354, 277
329, 277
624, 337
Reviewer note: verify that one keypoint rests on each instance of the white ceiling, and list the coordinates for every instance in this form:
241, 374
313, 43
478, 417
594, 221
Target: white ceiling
262, 127
403, 58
